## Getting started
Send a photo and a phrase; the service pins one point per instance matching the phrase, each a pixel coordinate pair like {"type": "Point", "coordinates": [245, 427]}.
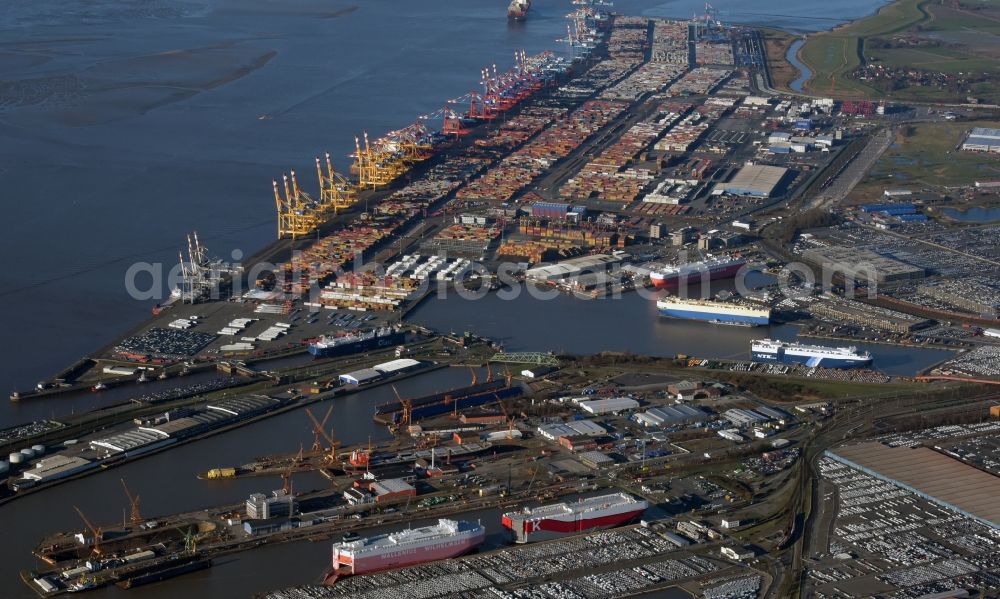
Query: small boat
{"type": "Point", "coordinates": [98, 387]}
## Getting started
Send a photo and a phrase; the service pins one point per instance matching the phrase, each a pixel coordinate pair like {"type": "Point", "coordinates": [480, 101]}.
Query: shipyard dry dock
{"type": "Point", "coordinates": [607, 564]}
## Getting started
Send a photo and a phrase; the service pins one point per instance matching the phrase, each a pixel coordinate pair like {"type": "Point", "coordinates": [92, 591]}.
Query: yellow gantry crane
{"type": "Point", "coordinates": [336, 192]}
{"type": "Point", "coordinates": [298, 214]}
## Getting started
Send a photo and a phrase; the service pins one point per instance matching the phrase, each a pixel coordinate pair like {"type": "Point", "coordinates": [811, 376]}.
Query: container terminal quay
{"type": "Point", "coordinates": [655, 155]}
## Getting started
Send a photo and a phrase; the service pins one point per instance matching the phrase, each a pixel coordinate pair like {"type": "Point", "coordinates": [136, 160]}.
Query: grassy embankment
{"type": "Point", "coordinates": [834, 55]}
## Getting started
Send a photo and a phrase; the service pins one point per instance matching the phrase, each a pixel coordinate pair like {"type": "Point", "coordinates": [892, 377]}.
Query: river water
{"type": "Point", "coordinates": [792, 56]}
{"type": "Point", "coordinates": [124, 126]}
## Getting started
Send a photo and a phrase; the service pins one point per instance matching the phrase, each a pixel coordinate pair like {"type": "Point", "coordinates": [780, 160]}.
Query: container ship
{"type": "Point", "coordinates": [561, 519]}
{"type": "Point", "coordinates": [768, 350]}
{"type": "Point", "coordinates": [517, 10]}
{"type": "Point", "coordinates": [674, 276]}
{"type": "Point", "coordinates": [714, 312]}
{"type": "Point", "coordinates": [338, 345]}
{"type": "Point", "coordinates": [446, 539]}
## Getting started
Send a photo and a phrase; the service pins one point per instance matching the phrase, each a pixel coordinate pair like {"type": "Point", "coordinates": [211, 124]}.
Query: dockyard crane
{"type": "Point", "coordinates": [332, 456]}
{"type": "Point", "coordinates": [93, 530]}
{"type": "Point", "coordinates": [318, 428]}
{"type": "Point", "coordinates": [133, 502]}
{"type": "Point", "coordinates": [406, 408]}
{"type": "Point", "coordinates": [510, 421]}
{"type": "Point", "coordinates": [286, 475]}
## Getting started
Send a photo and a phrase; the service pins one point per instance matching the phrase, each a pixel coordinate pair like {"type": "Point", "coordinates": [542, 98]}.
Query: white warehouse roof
{"type": "Point", "coordinates": [570, 429]}
{"type": "Point", "coordinates": [396, 365]}
{"type": "Point", "coordinates": [607, 406]}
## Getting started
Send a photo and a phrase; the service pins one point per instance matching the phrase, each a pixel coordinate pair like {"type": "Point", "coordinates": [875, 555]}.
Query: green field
{"type": "Point", "coordinates": [925, 154]}
{"type": "Point", "coordinates": [917, 34]}
{"type": "Point", "coordinates": [833, 55]}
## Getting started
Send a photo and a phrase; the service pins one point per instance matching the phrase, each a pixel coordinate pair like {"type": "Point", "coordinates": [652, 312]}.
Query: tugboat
{"type": "Point", "coordinates": [517, 10]}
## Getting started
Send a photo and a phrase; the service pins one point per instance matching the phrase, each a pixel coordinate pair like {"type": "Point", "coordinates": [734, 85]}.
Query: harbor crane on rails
{"type": "Point", "coordinates": [298, 214]}
{"type": "Point", "coordinates": [452, 123]}
{"type": "Point", "coordinates": [336, 192]}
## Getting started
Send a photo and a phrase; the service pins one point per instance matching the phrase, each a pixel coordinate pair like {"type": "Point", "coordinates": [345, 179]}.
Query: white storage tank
{"type": "Point", "coordinates": [38, 449]}
{"type": "Point", "coordinates": [28, 453]}
{"type": "Point", "coordinates": [4, 467]}
{"type": "Point", "coordinates": [15, 457]}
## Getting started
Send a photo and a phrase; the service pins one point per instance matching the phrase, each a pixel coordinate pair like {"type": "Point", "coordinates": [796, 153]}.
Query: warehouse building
{"type": "Point", "coordinates": [930, 474]}
{"type": "Point", "coordinates": [982, 139]}
{"type": "Point", "coordinates": [669, 416]}
{"type": "Point", "coordinates": [596, 460]}
{"type": "Point", "coordinates": [774, 414]}
{"type": "Point", "coordinates": [755, 180]}
{"type": "Point", "coordinates": [978, 297]}
{"type": "Point", "coordinates": [861, 265]}
{"type": "Point", "coordinates": [840, 310]}
{"type": "Point", "coordinates": [613, 405]}
{"type": "Point", "coordinates": [552, 432]}
{"type": "Point", "coordinates": [56, 467]}
{"type": "Point", "coordinates": [360, 377]}
{"type": "Point", "coordinates": [393, 489]}
{"type": "Point", "coordinates": [132, 442]}
{"type": "Point", "coordinates": [397, 366]}
{"type": "Point", "coordinates": [743, 417]}
{"type": "Point", "coordinates": [557, 211]}
{"type": "Point", "coordinates": [573, 267]}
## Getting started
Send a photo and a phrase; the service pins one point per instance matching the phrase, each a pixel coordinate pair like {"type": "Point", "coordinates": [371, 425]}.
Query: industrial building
{"type": "Point", "coordinates": [398, 366]}
{"type": "Point", "coordinates": [133, 442]}
{"type": "Point", "coordinates": [56, 467]}
{"type": "Point", "coordinates": [978, 297]}
{"type": "Point", "coordinates": [861, 265]}
{"type": "Point", "coordinates": [390, 490]}
{"type": "Point", "coordinates": [557, 211]}
{"type": "Point", "coordinates": [774, 414]}
{"type": "Point", "coordinates": [755, 180]}
{"type": "Point", "coordinates": [669, 416]}
{"type": "Point", "coordinates": [841, 310]}
{"type": "Point", "coordinates": [552, 432]}
{"type": "Point", "coordinates": [573, 267]}
{"type": "Point", "coordinates": [742, 417]}
{"type": "Point", "coordinates": [930, 474]}
{"type": "Point", "coordinates": [360, 377]}
{"type": "Point", "coordinates": [613, 405]}
{"type": "Point", "coordinates": [596, 460]}
{"type": "Point", "coordinates": [263, 507]}
{"type": "Point", "coordinates": [982, 139]}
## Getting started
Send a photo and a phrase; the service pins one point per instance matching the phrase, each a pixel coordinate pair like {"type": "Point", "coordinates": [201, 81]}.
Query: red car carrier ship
{"type": "Point", "coordinates": [447, 538]}
{"type": "Point", "coordinates": [562, 519]}
{"type": "Point", "coordinates": [692, 273]}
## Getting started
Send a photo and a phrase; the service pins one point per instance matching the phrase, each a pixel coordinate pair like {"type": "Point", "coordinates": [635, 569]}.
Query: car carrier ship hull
{"type": "Point", "coordinates": [809, 355]}
{"type": "Point", "coordinates": [714, 312]}
{"type": "Point", "coordinates": [324, 350]}
{"type": "Point", "coordinates": [694, 273]}
{"type": "Point", "coordinates": [444, 540]}
{"type": "Point", "coordinates": [563, 519]}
